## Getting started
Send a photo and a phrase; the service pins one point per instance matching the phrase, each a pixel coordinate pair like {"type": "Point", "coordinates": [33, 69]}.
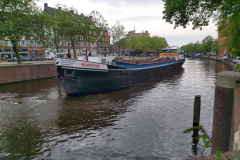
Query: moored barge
{"type": "Point", "coordinates": [102, 74]}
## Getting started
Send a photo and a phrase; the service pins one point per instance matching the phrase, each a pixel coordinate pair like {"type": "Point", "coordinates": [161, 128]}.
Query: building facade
{"type": "Point", "coordinates": [64, 46]}
{"type": "Point", "coordinates": [26, 48]}
{"type": "Point", "coordinates": [207, 38]}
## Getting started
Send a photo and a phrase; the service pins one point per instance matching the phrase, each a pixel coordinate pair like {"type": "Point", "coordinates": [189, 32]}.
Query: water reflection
{"type": "Point", "coordinates": [39, 121]}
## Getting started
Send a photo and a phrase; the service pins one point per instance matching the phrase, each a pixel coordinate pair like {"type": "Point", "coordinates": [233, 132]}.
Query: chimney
{"type": "Point", "coordinates": [59, 8]}
{"type": "Point", "coordinates": [45, 6]}
{"type": "Point", "coordinates": [146, 31]}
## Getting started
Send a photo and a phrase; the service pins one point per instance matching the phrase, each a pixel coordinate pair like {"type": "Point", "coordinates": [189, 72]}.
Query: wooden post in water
{"type": "Point", "coordinates": [196, 111]}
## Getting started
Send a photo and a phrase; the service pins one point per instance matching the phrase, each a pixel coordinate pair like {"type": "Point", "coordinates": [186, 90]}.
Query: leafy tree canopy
{"type": "Point", "coordinates": [198, 12]}
{"type": "Point", "coordinates": [22, 18]}
{"type": "Point", "coordinates": [71, 25]}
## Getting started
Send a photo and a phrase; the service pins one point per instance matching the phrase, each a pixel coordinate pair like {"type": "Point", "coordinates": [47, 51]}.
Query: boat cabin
{"type": "Point", "coordinates": [171, 52]}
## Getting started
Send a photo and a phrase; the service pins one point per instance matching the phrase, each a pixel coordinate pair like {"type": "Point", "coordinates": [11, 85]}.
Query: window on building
{"type": "Point", "coordinates": [65, 43]}
{"type": "Point", "coordinates": [59, 43]}
{"type": "Point", "coordinates": [24, 34]}
{"type": "Point", "coordinates": [5, 43]}
{"type": "Point", "coordinates": [31, 43]}
{"type": "Point", "coordinates": [86, 44]}
{"type": "Point", "coordinates": [77, 44]}
{"type": "Point", "coordinates": [83, 51]}
{"type": "Point", "coordinates": [23, 43]}
{"type": "Point", "coordinates": [81, 44]}
{"type": "Point", "coordinates": [94, 51]}
{"type": "Point", "coordinates": [81, 37]}
{"type": "Point", "coordinates": [39, 43]}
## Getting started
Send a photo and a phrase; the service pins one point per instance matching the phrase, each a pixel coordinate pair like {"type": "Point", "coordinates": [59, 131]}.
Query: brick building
{"type": "Point", "coordinates": [64, 45]}
{"type": "Point", "coordinates": [27, 48]}
{"type": "Point", "coordinates": [222, 50]}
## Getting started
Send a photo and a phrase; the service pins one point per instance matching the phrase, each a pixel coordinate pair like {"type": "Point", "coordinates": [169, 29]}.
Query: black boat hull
{"type": "Point", "coordinates": [77, 82]}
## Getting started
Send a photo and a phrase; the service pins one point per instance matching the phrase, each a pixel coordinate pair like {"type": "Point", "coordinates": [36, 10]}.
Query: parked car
{"type": "Point", "coordinates": [25, 58]}
{"type": "Point", "coordinates": [14, 59]}
{"type": "Point", "coordinates": [237, 59]}
{"type": "Point", "coordinates": [48, 58]}
{"type": "Point", "coordinates": [30, 58]}
{"type": "Point", "coordinates": [225, 56]}
{"type": "Point", "coordinates": [38, 58]}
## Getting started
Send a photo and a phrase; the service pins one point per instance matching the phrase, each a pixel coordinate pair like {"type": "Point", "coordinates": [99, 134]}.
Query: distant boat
{"type": "Point", "coordinates": [103, 74]}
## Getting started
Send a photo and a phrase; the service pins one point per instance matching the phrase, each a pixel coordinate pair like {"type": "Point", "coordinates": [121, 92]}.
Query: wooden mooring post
{"type": "Point", "coordinates": [196, 111]}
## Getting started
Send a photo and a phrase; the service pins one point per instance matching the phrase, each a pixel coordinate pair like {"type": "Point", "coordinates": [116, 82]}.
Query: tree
{"type": "Point", "coordinates": [215, 46]}
{"type": "Point", "coordinates": [22, 18]}
{"type": "Point", "coordinates": [71, 25]}
{"type": "Point", "coordinates": [157, 43]}
{"type": "Point", "coordinates": [118, 32]}
{"type": "Point", "coordinates": [228, 28]}
{"type": "Point", "coordinates": [181, 12]}
{"type": "Point", "coordinates": [208, 46]}
{"type": "Point", "coordinates": [199, 12]}
{"type": "Point", "coordinates": [100, 25]}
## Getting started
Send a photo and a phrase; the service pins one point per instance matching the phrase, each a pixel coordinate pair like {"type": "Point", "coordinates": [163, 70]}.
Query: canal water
{"type": "Point", "coordinates": [39, 121]}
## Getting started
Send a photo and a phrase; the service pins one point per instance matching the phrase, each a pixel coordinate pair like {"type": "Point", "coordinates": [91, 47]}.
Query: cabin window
{"type": "Point", "coordinates": [103, 61]}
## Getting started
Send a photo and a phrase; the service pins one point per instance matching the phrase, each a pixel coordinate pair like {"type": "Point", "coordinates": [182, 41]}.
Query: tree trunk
{"type": "Point", "coordinates": [119, 51]}
{"type": "Point", "coordinates": [16, 52]}
{"type": "Point", "coordinates": [101, 48]}
{"type": "Point", "coordinates": [74, 51]}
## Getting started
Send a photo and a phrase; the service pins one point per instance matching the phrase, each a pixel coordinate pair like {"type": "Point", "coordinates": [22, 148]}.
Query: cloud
{"type": "Point", "coordinates": [139, 18]}
{"type": "Point", "coordinates": [124, 3]}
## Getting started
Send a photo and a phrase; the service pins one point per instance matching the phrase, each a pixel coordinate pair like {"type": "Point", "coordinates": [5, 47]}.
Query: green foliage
{"type": "Point", "coordinates": [209, 46]}
{"type": "Point", "coordinates": [206, 140]}
{"type": "Point", "coordinates": [228, 27]}
{"type": "Point", "coordinates": [70, 25]}
{"type": "Point", "coordinates": [100, 24]}
{"type": "Point", "coordinates": [23, 18]}
{"type": "Point", "coordinates": [181, 12]}
{"type": "Point", "coordinates": [190, 130]}
{"type": "Point", "coordinates": [146, 43]}
{"type": "Point", "coordinates": [199, 13]}
{"type": "Point", "coordinates": [238, 67]}
{"type": "Point", "coordinates": [219, 154]}
{"type": "Point", "coordinates": [157, 43]}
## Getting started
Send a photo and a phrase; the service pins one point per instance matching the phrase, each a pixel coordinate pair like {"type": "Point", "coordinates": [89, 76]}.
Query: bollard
{"type": "Point", "coordinates": [196, 112]}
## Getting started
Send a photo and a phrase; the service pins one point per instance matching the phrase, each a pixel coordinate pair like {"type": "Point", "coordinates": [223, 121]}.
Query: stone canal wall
{"type": "Point", "coordinates": [16, 73]}
{"type": "Point", "coordinates": [232, 66]}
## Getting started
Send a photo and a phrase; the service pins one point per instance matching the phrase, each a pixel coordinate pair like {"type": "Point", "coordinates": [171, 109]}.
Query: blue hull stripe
{"type": "Point", "coordinates": [130, 66]}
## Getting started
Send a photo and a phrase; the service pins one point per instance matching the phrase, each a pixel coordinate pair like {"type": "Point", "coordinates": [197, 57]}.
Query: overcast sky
{"type": "Point", "coordinates": [145, 15]}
